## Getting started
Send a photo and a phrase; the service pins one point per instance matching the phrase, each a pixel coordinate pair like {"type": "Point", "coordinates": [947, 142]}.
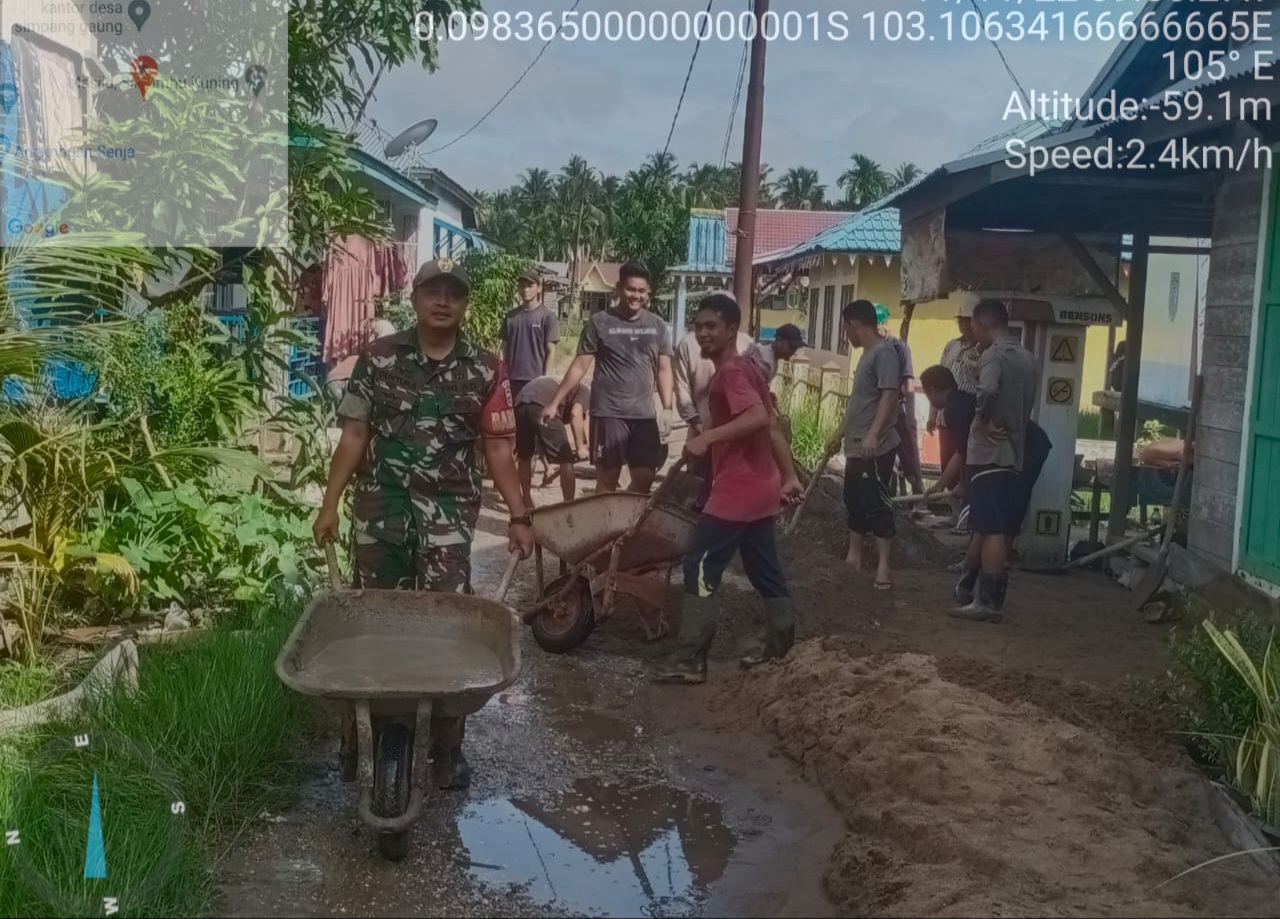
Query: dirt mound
{"type": "Point", "coordinates": [825, 524]}
{"type": "Point", "coordinates": [962, 803]}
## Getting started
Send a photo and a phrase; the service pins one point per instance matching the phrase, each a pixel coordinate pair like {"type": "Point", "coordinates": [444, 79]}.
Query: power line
{"type": "Point", "coordinates": [1016, 82]}
{"type": "Point", "coordinates": [503, 98]}
{"type": "Point", "coordinates": [737, 98]}
{"type": "Point", "coordinates": [676, 117]}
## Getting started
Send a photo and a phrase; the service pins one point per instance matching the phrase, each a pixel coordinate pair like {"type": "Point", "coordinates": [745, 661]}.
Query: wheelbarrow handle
{"type": "Point", "coordinates": [331, 562]}
{"type": "Point", "coordinates": [507, 576]}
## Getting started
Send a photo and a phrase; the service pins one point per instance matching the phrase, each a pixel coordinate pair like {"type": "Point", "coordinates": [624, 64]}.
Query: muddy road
{"type": "Point", "coordinates": [594, 793]}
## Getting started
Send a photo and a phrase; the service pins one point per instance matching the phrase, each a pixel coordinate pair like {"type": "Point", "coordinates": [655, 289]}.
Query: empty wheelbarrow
{"type": "Point", "coordinates": [613, 543]}
{"type": "Point", "coordinates": [395, 659]}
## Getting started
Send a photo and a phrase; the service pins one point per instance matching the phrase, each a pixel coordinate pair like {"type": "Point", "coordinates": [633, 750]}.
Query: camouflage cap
{"type": "Point", "coordinates": [441, 267]}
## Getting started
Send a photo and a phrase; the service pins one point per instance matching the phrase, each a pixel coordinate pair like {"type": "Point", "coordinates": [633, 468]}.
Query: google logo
{"type": "Point", "coordinates": [17, 226]}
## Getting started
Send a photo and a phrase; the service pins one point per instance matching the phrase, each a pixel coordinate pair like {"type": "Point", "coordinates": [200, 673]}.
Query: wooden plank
{"type": "Point", "coordinates": [1240, 830]}
{"type": "Point", "coordinates": [1090, 265]}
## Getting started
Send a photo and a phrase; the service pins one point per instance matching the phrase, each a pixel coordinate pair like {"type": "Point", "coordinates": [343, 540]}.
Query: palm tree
{"type": "Point", "coordinates": [662, 166]}
{"type": "Point", "coordinates": [863, 182]}
{"type": "Point", "coordinates": [800, 189]}
{"type": "Point", "coordinates": [765, 197]}
{"type": "Point", "coordinates": [904, 175]}
{"type": "Point", "coordinates": [579, 211]}
{"type": "Point", "coordinates": [537, 202]}
{"type": "Point", "coordinates": [707, 186]}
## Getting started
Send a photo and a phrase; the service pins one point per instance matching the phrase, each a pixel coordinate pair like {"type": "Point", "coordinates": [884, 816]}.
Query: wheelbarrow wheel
{"type": "Point", "coordinates": [567, 623]}
{"type": "Point", "coordinates": [392, 780]}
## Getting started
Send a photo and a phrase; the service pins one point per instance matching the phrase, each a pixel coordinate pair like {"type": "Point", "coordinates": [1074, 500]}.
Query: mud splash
{"type": "Point", "coordinates": [603, 849]}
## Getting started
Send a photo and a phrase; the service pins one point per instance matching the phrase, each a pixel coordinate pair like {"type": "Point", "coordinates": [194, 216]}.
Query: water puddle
{"type": "Point", "coordinates": [603, 849]}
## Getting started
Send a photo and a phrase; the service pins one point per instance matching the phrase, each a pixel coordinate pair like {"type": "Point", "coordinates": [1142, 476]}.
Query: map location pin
{"type": "Point", "coordinates": [144, 70]}
{"type": "Point", "coordinates": [139, 12]}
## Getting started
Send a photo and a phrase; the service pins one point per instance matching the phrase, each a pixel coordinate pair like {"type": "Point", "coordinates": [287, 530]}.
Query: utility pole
{"type": "Point", "coordinates": [749, 191]}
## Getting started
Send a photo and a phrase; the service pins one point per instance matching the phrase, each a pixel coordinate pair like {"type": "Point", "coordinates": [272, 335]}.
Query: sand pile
{"type": "Point", "coordinates": [959, 803]}
{"type": "Point", "coordinates": [826, 524]}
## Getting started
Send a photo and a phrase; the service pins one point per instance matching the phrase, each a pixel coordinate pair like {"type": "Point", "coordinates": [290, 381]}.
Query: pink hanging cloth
{"type": "Point", "coordinates": [350, 285]}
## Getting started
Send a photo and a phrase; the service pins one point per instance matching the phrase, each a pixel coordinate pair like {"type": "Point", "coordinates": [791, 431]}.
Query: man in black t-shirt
{"type": "Point", "coordinates": [957, 409]}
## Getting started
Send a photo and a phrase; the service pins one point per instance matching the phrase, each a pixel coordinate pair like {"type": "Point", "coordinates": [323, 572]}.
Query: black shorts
{"type": "Point", "coordinates": [1037, 453]}
{"type": "Point", "coordinates": [994, 500]}
{"type": "Point", "coordinates": [713, 545]}
{"type": "Point", "coordinates": [618, 442]}
{"type": "Point", "coordinates": [550, 440]}
{"type": "Point", "coordinates": [866, 495]}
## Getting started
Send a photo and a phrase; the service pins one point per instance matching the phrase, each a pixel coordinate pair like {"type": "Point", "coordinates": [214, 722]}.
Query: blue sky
{"type": "Point", "coordinates": [613, 102]}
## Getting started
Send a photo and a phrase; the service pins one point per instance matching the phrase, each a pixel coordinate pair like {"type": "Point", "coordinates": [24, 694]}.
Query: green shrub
{"type": "Point", "coordinates": [1203, 695]}
{"type": "Point", "coordinates": [204, 546]}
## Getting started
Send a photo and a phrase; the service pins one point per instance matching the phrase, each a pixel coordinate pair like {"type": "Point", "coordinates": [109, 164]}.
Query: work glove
{"type": "Point", "coordinates": [665, 423]}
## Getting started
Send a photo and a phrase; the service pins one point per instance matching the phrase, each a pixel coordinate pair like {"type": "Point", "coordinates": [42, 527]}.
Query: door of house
{"type": "Point", "coordinates": [1260, 520]}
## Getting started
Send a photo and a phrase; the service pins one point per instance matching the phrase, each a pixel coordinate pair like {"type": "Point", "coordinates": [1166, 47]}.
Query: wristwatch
{"type": "Point", "coordinates": [522, 520]}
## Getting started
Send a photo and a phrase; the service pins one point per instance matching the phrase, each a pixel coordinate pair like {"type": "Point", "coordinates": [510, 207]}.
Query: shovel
{"type": "Point", "coordinates": [1153, 577]}
{"type": "Point", "coordinates": [818, 471]}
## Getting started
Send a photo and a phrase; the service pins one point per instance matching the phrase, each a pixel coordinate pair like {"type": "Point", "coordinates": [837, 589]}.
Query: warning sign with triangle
{"type": "Point", "coordinates": [1063, 350]}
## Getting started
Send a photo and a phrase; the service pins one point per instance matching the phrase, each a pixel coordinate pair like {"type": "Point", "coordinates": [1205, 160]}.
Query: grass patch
{"type": "Point", "coordinates": [1089, 425]}
{"type": "Point", "coordinates": [22, 684]}
{"type": "Point", "coordinates": [1202, 696]}
{"type": "Point", "coordinates": [211, 725]}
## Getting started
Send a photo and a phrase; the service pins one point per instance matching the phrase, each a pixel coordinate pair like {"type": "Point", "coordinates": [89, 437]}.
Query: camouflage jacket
{"type": "Point", "coordinates": [421, 474]}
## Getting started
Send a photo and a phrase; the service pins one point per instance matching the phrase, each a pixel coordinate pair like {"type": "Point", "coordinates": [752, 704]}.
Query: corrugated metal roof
{"type": "Point", "coordinates": [877, 231]}
{"type": "Point", "coordinates": [707, 250]}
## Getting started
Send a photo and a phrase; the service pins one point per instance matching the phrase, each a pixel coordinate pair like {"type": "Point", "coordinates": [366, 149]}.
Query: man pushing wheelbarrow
{"type": "Point", "coordinates": [418, 405]}
{"type": "Point", "coordinates": [751, 476]}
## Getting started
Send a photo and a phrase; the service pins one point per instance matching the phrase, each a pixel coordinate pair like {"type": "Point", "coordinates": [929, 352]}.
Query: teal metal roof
{"type": "Point", "coordinates": [707, 250]}
{"type": "Point", "coordinates": [877, 231]}
{"type": "Point", "coordinates": [381, 172]}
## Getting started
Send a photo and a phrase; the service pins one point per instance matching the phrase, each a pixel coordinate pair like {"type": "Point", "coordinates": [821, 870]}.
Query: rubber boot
{"type": "Point", "coordinates": [449, 767]}
{"type": "Point", "coordinates": [986, 607]}
{"type": "Point", "coordinates": [688, 663]}
{"type": "Point", "coordinates": [965, 586]}
{"type": "Point", "coordinates": [779, 633]}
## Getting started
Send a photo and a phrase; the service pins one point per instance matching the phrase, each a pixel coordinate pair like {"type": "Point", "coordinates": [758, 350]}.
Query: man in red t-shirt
{"type": "Point", "coordinates": [752, 476]}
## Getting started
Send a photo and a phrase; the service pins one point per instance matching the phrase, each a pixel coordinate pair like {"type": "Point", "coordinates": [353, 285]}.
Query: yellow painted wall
{"type": "Point", "coordinates": [772, 319]}
{"type": "Point", "coordinates": [932, 324]}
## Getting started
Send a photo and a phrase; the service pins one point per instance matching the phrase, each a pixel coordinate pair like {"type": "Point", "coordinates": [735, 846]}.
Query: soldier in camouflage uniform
{"type": "Point", "coordinates": [418, 405]}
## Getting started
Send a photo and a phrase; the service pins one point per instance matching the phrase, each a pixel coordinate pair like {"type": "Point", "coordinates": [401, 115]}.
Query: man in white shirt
{"type": "Point", "coordinates": [787, 340]}
{"type": "Point", "coordinates": [693, 374]}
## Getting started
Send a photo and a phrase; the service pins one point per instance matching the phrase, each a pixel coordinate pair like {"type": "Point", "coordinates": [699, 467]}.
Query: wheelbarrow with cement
{"type": "Point", "coordinates": [390, 661]}
{"type": "Point", "coordinates": [609, 544]}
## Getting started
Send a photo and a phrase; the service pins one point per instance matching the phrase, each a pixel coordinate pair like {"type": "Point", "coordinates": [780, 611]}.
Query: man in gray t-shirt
{"type": "Point", "coordinates": [870, 439]}
{"type": "Point", "coordinates": [631, 352]}
{"type": "Point", "coordinates": [1008, 383]}
{"type": "Point", "coordinates": [529, 334]}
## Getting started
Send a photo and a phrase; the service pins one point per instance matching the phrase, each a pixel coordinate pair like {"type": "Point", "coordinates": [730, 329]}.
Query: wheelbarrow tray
{"type": "Point", "coordinates": [391, 646]}
{"type": "Point", "coordinates": [576, 530]}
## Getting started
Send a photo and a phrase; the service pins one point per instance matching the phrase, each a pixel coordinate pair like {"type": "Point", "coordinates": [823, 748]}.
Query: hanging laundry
{"type": "Point", "coordinates": [350, 285]}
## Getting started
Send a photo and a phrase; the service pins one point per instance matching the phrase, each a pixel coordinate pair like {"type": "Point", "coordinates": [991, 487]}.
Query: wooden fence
{"type": "Point", "coordinates": [802, 388]}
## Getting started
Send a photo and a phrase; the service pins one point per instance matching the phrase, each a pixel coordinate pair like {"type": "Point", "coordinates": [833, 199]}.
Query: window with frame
{"type": "Point", "coordinates": [846, 297]}
{"type": "Point", "coordinates": [828, 307]}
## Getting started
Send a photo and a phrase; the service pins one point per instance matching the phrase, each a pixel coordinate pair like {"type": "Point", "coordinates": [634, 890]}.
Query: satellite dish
{"type": "Point", "coordinates": [410, 137]}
